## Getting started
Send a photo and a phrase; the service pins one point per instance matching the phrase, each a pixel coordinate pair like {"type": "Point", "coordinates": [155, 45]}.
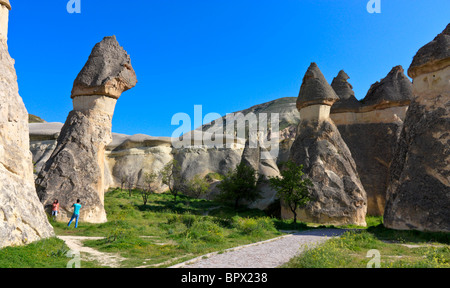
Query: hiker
{"type": "Point", "coordinates": [76, 213]}
{"type": "Point", "coordinates": [55, 209]}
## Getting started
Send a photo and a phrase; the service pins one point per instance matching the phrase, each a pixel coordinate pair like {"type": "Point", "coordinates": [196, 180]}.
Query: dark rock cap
{"type": "Point", "coordinates": [108, 71]}
{"type": "Point", "coordinates": [347, 101]}
{"type": "Point", "coordinates": [394, 90]}
{"type": "Point", "coordinates": [341, 86]}
{"type": "Point", "coordinates": [433, 56]}
{"type": "Point", "coordinates": [6, 3]}
{"type": "Point", "coordinates": [315, 89]}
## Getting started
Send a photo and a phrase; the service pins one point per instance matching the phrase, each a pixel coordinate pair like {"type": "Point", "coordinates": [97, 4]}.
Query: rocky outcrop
{"type": "Point", "coordinates": [261, 161]}
{"type": "Point", "coordinates": [371, 129]}
{"type": "Point", "coordinates": [338, 196]}
{"type": "Point", "coordinates": [347, 101]}
{"type": "Point", "coordinates": [129, 159]}
{"type": "Point", "coordinates": [418, 195]}
{"type": "Point", "coordinates": [76, 169]}
{"type": "Point", "coordinates": [22, 217]}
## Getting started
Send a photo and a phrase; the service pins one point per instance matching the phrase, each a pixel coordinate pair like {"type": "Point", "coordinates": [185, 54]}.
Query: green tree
{"type": "Point", "coordinates": [197, 186]}
{"type": "Point", "coordinates": [171, 176]}
{"type": "Point", "coordinates": [293, 188]}
{"type": "Point", "coordinates": [150, 186]}
{"type": "Point", "coordinates": [240, 184]}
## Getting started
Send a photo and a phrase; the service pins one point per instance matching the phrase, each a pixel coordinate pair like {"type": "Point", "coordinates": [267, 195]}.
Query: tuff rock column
{"type": "Point", "coordinates": [338, 196]}
{"type": "Point", "coordinates": [419, 187]}
{"type": "Point", "coordinates": [22, 217]}
{"type": "Point", "coordinates": [76, 168]}
{"type": "Point", "coordinates": [371, 129]}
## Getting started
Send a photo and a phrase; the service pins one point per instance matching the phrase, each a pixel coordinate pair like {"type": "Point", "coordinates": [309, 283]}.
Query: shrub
{"type": "Point", "coordinates": [240, 184]}
{"type": "Point", "coordinates": [253, 226]}
{"type": "Point", "coordinates": [206, 231]}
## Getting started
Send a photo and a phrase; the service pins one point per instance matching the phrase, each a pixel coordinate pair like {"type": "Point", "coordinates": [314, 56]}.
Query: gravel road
{"type": "Point", "coordinates": [267, 254]}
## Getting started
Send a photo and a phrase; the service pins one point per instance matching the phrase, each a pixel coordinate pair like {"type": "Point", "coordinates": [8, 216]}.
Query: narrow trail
{"type": "Point", "coordinates": [75, 243]}
{"type": "Point", "coordinates": [266, 254]}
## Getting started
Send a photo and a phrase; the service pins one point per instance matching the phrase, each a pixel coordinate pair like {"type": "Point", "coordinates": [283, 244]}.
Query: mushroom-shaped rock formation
{"type": "Point", "coordinates": [393, 90]}
{"type": "Point", "coordinates": [338, 196]}
{"type": "Point", "coordinates": [315, 89]}
{"type": "Point", "coordinates": [419, 183]}
{"type": "Point", "coordinates": [108, 71]}
{"type": "Point", "coordinates": [76, 168]}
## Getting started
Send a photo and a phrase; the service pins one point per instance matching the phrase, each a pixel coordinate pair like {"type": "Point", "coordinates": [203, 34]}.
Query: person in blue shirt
{"type": "Point", "coordinates": [76, 213]}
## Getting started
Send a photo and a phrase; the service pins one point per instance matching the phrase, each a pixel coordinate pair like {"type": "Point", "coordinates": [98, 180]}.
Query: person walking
{"type": "Point", "coordinates": [55, 209]}
{"type": "Point", "coordinates": [76, 213]}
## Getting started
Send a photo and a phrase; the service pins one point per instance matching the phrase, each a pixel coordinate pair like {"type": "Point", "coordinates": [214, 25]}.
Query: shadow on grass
{"type": "Point", "coordinates": [401, 236]}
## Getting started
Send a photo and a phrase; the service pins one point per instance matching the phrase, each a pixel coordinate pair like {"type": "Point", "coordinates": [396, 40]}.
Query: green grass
{"type": "Point", "coordinates": [430, 250]}
{"type": "Point", "coordinates": [163, 233]}
{"type": "Point", "coordinates": [48, 253]}
{"type": "Point", "coordinates": [163, 229]}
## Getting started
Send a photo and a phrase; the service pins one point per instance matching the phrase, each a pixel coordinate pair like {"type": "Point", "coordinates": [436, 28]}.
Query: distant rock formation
{"type": "Point", "coordinates": [371, 129]}
{"type": "Point", "coordinates": [129, 159]}
{"type": "Point", "coordinates": [76, 169]}
{"type": "Point", "coordinates": [338, 197]}
{"type": "Point", "coordinates": [418, 196]}
{"type": "Point", "coordinates": [22, 217]}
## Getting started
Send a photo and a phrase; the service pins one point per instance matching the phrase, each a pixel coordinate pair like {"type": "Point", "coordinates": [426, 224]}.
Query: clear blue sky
{"type": "Point", "coordinates": [226, 55]}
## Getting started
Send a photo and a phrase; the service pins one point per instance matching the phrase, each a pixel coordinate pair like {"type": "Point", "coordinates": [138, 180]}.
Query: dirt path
{"type": "Point", "coordinates": [75, 243]}
{"type": "Point", "coordinates": [266, 254]}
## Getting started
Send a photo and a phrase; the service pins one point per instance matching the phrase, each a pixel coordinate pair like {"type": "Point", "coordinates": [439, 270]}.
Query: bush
{"type": "Point", "coordinates": [253, 226]}
{"type": "Point", "coordinates": [206, 231]}
{"type": "Point", "coordinates": [240, 184]}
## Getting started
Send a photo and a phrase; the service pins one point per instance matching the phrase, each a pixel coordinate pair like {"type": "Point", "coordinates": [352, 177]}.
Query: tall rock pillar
{"type": "Point", "coordinates": [76, 168]}
{"type": "Point", "coordinates": [22, 217]}
{"type": "Point", "coordinates": [418, 195]}
{"type": "Point", "coordinates": [338, 197]}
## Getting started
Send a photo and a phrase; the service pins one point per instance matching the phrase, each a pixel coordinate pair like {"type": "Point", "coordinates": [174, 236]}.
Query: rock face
{"type": "Point", "coordinates": [371, 129]}
{"type": "Point", "coordinates": [419, 184]}
{"type": "Point", "coordinates": [76, 169]}
{"type": "Point", "coordinates": [4, 18]}
{"type": "Point", "coordinates": [129, 158]}
{"type": "Point", "coordinates": [338, 196]}
{"type": "Point", "coordinates": [22, 217]}
{"type": "Point", "coordinates": [261, 161]}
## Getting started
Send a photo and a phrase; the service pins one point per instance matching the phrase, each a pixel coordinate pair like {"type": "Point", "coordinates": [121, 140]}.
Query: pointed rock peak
{"type": "Point", "coordinates": [6, 3]}
{"type": "Point", "coordinates": [108, 71]}
{"type": "Point", "coordinates": [433, 56]}
{"type": "Point", "coordinates": [342, 75]}
{"type": "Point", "coordinates": [393, 90]}
{"type": "Point", "coordinates": [342, 87]}
{"type": "Point", "coordinates": [315, 89]}
{"type": "Point", "coordinates": [347, 101]}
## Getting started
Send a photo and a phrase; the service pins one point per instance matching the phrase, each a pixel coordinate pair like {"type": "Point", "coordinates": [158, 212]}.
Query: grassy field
{"type": "Point", "coordinates": [397, 249]}
{"type": "Point", "coordinates": [163, 233]}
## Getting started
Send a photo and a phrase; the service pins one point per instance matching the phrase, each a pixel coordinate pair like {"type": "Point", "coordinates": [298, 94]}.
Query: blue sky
{"type": "Point", "coordinates": [226, 55]}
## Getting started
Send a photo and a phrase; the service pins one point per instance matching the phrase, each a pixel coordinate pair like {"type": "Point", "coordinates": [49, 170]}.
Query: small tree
{"type": "Point", "coordinates": [240, 184]}
{"type": "Point", "coordinates": [197, 186]}
{"type": "Point", "coordinates": [150, 186]}
{"type": "Point", "coordinates": [129, 181]}
{"type": "Point", "coordinates": [293, 187]}
{"type": "Point", "coordinates": [171, 176]}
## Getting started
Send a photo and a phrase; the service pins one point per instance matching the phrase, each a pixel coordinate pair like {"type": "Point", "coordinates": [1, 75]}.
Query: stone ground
{"type": "Point", "coordinates": [266, 254]}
